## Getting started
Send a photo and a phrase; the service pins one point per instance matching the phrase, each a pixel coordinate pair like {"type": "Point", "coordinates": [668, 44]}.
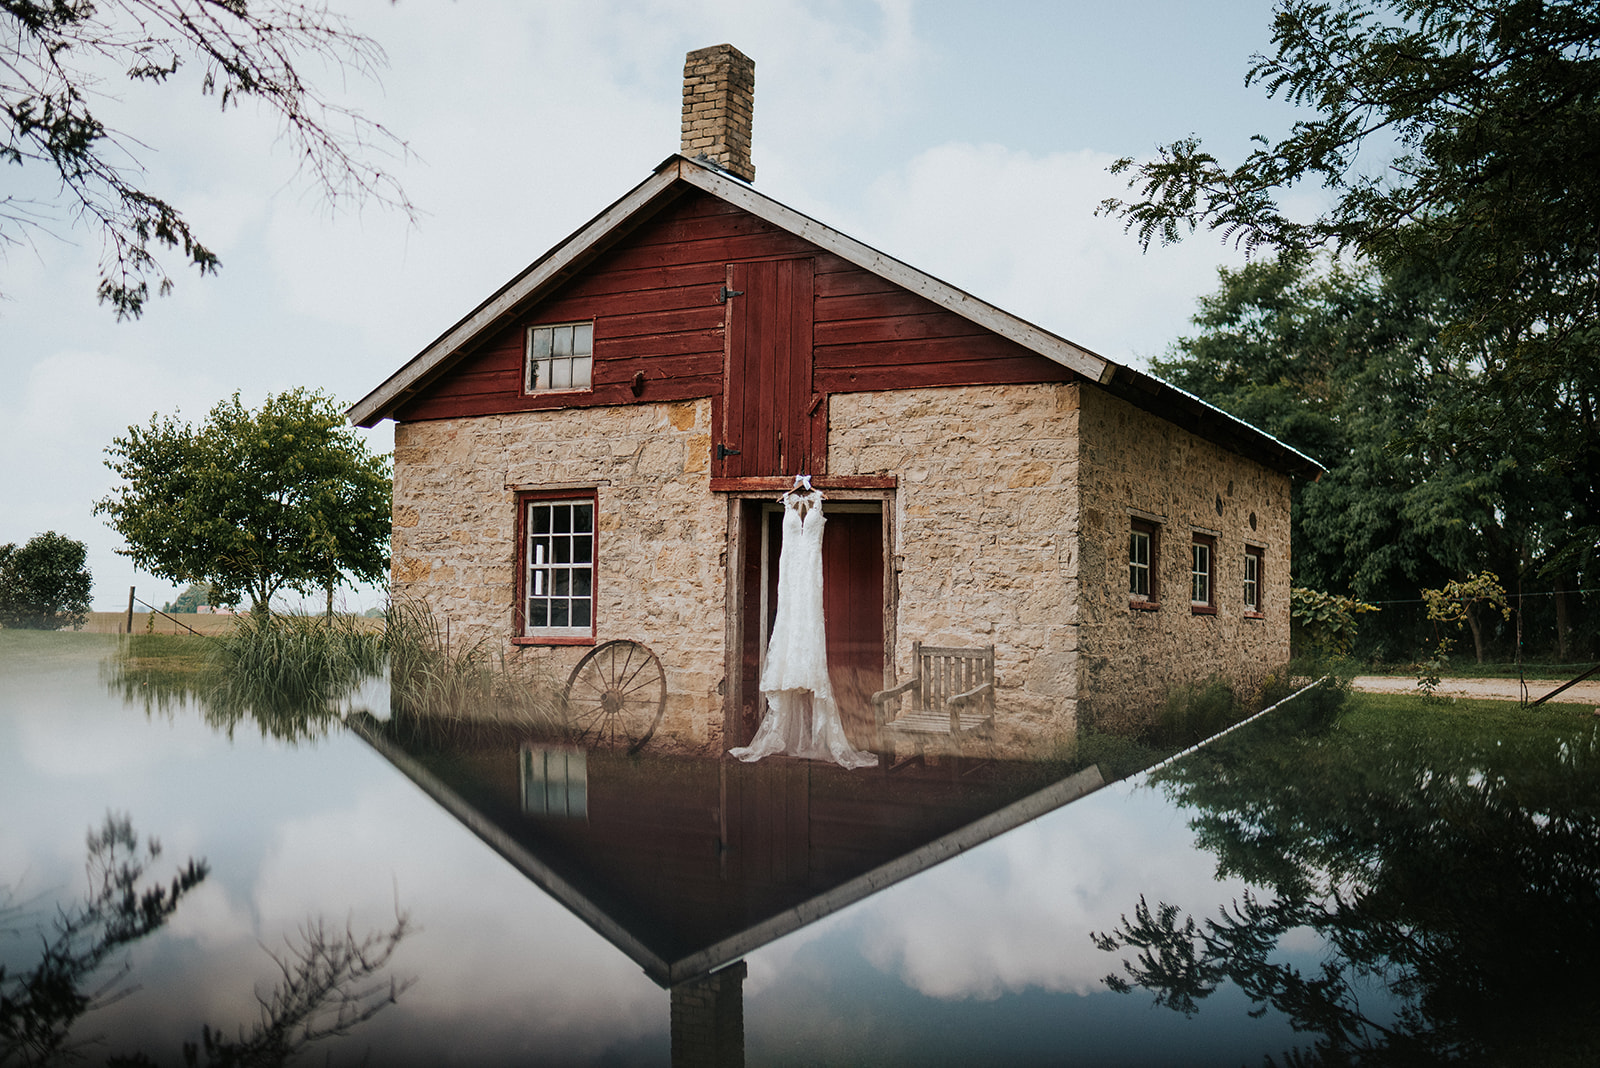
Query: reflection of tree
{"type": "Point", "coordinates": [329, 981]}
{"type": "Point", "coordinates": [39, 1007]}
{"type": "Point", "coordinates": [1461, 873]}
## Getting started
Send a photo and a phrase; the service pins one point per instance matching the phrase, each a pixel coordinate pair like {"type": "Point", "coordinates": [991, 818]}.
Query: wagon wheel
{"type": "Point", "coordinates": [616, 695]}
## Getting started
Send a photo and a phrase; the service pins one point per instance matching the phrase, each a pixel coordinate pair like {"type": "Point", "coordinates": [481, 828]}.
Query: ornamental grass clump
{"type": "Point", "coordinates": [290, 672]}
{"type": "Point", "coordinates": [432, 676]}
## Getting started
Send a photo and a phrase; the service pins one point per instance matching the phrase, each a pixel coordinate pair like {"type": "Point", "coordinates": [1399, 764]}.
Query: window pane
{"type": "Point", "coordinates": [561, 551]}
{"type": "Point", "coordinates": [580, 371]}
{"type": "Point", "coordinates": [539, 586]}
{"type": "Point", "coordinates": [581, 549]}
{"type": "Point", "coordinates": [539, 518]}
{"type": "Point", "coordinates": [580, 582]}
{"type": "Point", "coordinates": [561, 342]}
{"type": "Point", "coordinates": [541, 342]}
{"type": "Point", "coordinates": [580, 613]}
{"type": "Point", "coordinates": [539, 613]}
{"type": "Point", "coordinates": [583, 518]}
{"type": "Point", "coordinates": [561, 518]}
{"type": "Point", "coordinates": [583, 338]}
{"type": "Point", "coordinates": [558, 614]}
{"type": "Point", "coordinates": [560, 582]}
{"type": "Point", "coordinates": [560, 374]}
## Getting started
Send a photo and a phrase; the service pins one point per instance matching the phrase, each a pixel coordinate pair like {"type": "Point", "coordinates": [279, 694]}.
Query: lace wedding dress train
{"type": "Point", "coordinates": [797, 656]}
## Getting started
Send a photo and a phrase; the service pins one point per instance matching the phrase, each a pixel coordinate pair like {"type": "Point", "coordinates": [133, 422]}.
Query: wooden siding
{"type": "Point", "coordinates": [653, 300]}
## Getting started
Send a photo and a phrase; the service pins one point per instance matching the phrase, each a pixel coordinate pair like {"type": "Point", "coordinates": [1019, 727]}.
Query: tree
{"type": "Point", "coordinates": [59, 52]}
{"type": "Point", "coordinates": [44, 585]}
{"type": "Point", "coordinates": [1347, 364]}
{"type": "Point", "coordinates": [193, 596]}
{"type": "Point", "coordinates": [253, 502]}
{"type": "Point", "coordinates": [1486, 118]}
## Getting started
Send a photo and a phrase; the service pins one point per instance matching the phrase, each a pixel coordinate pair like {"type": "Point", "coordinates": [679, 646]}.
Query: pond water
{"type": "Point", "coordinates": [564, 907]}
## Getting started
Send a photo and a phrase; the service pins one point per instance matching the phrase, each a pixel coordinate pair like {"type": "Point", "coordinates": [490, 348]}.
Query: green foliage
{"type": "Point", "coordinates": [288, 673]}
{"type": "Point", "coordinates": [431, 676]}
{"type": "Point", "coordinates": [1463, 601]}
{"type": "Point", "coordinates": [1484, 119]}
{"type": "Point", "coordinates": [1195, 712]}
{"type": "Point", "coordinates": [45, 584]}
{"type": "Point", "coordinates": [1450, 854]}
{"type": "Point", "coordinates": [1324, 624]}
{"type": "Point", "coordinates": [60, 53]}
{"type": "Point", "coordinates": [193, 596]}
{"type": "Point", "coordinates": [252, 502]}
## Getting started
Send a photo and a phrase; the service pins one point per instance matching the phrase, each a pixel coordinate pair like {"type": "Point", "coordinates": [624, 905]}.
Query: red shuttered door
{"type": "Point", "coordinates": [769, 405]}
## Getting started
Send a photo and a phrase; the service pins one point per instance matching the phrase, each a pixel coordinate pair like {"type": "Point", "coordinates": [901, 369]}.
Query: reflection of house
{"type": "Point", "coordinates": [592, 453]}
{"type": "Point", "coordinates": [687, 864]}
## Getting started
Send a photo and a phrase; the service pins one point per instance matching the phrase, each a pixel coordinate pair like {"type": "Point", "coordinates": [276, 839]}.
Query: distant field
{"type": "Point", "coordinates": [115, 622]}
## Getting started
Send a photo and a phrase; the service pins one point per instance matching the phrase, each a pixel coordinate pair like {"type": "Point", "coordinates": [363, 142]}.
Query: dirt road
{"type": "Point", "coordinates": [1586, 692]}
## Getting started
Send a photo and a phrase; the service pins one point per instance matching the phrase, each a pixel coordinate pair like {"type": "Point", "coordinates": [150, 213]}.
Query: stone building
{"type": "Point", "coordinates": [594, 453]}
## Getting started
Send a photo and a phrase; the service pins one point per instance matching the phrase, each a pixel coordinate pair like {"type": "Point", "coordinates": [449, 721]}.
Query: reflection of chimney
{"type": "Point", "coordinates": [719, 99]}
{"type": "Point", "coordinates": [708, 1019]}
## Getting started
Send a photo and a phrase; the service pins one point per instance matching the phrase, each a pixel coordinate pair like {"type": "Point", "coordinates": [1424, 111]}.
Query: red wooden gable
{"type": "Point", "coordinates": [805, 323]}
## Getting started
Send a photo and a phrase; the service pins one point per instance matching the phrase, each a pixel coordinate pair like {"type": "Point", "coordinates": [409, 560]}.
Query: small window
{"type": "Point", "coordinates": [557, 579]}
{"type": "Point", "coordinates": [1202, 561]}
{"type": "Point", "coordinates": [1143, 570]}
{"type": "Point", "coordinates": [1252, 579]}
{"type": "Point", "coordinates": [559, 357]}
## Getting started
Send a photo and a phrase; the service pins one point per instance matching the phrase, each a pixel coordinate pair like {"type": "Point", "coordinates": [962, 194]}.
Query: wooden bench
{"type": "Point", "coordinates": [950, 693]}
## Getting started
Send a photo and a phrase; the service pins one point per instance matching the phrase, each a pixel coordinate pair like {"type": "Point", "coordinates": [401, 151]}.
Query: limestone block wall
{"type": "Point", "coordinates": [985, 522]}
{"type": "Point", "coordinates": [1131, 463]}
{"type": "Point", "coordinates": [660, 537]}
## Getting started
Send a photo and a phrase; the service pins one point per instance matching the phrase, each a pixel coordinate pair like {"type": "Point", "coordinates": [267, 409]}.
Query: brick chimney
{"type": "Point", "coordinates": [719, 96]}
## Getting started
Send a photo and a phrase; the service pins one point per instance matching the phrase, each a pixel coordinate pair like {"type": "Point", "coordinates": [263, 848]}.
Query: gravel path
{"type": "Point", "coordinates": [1586, 692]}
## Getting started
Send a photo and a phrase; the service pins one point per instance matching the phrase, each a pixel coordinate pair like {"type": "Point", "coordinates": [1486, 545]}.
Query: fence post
{"type": "Point", "coordinates": [130, 610]}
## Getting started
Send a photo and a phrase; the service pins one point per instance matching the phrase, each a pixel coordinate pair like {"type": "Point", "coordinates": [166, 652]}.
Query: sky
{"type": "Point", "coordinates": [971, 140]}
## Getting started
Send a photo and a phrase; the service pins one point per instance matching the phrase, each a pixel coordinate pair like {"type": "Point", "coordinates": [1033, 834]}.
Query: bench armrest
{"type": "Point", "coordinates": [888, 695]}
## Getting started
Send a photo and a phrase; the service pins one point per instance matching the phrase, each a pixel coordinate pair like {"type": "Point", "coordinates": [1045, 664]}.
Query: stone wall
{"type": "Point", "coordinates": [985, 523]}
{"type": "Point", "coordinates": [660, 540]}
{"type": "Point", "coordinates": [1135, 464]}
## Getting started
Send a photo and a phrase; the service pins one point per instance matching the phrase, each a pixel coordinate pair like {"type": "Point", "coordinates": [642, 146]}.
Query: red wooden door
{"type": "Point", "coordinates": [768, 405]}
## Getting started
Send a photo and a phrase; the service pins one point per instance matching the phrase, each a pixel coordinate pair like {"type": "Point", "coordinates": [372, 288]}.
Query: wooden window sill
{"type": "Point", "coordinates": [535, 640]}
{"type": "Point", "coordinates": [1144, 606]}
{"type": "Point", "coordinates": [1255, 615]}
{"type": "Point", "coordinates": [1203, 609]}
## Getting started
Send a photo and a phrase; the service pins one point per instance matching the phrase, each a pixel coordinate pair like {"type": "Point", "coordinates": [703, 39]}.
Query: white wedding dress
{"type": "Point", "coordinates": [797, 656]}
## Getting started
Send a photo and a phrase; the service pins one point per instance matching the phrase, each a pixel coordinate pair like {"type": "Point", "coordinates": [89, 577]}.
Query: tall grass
{"type": "Point", "coordinates": [431, 677]}
{"type": "Point", "coordinates": [293, 673]}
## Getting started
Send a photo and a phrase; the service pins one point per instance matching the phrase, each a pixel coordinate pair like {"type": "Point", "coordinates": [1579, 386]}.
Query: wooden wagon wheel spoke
{"type": "Point", "coordinates": [616, 695]}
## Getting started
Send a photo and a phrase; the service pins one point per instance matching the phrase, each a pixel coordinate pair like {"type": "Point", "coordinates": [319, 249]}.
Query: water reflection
{"type": "Point", "coordinates": [686, 864]}
{"type": "Point", "coordinates": [1453, 883]}
{"type": "Point", "coordinates": [328, 982]}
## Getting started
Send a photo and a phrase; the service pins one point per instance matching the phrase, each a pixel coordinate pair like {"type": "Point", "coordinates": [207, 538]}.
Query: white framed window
{"type": "Point", "coordinates": [1252, 579]}
{"type": "Point", "coordinates": [1143, 573]}
{"type": "Point", "coordinates": [1202, 560]}
{"type": "Point", "coordinates": [557, 567]}
{"type": "Point", "coordinates": [560, 356]}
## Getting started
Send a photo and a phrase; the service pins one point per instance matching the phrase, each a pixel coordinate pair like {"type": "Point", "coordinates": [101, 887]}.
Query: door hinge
{"type": "Point", "coordinates": [723, 451]}
{"type": "Point", "coordinates": [724, 293]}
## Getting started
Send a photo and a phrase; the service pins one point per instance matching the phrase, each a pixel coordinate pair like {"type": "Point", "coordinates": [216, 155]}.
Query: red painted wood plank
{"type": "Point", "coordinates": [719, 250]}
{"type": "Point", "coordinates": [670, 321]}
{"type": "Point", "coordinates": [683, 344]}
{"type": "Point", "coordinates": [913, 351]}
{"type": "Point", "coordinates": [780, 483]}
{"type": "Point", "coordinates": [850, 281]}
{"type": "Point", "coordinates": [605, 277]}
{"type": "Point", "coordinates": [866, 331]}
{"type": "Point", "coordinates": [970, 373]}
{"type": "Point", "coordinates": [675, 389]}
